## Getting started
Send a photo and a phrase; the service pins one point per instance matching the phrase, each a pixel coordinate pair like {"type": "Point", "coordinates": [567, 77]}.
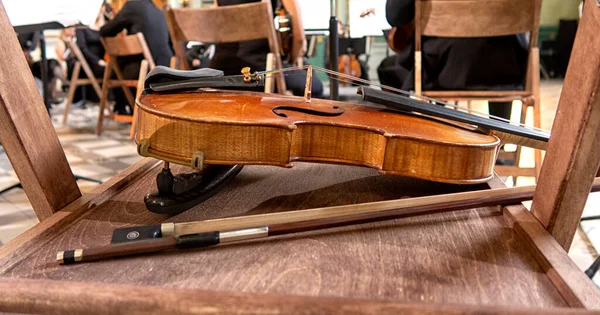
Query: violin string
{"type": "Point", "coordinates": [346, 78]}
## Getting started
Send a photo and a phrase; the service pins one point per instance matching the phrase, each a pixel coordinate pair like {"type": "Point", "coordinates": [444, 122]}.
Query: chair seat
{"type": "Point", "coordinates": [471, 257]}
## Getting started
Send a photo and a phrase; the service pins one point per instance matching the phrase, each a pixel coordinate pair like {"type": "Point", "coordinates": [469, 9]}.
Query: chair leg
{"type": "Point", "coordinates": [173, 62]}
{"type": "Point", "coordinates": [143, 71]}
{"type": "Point", "coordinates": [126, 89]}
{"type": "Point", "coordinates": [104, 96]}
{"type": "Point", "coordinates": [537, 111]}
{"type": "Point", "coordinates": [72, 89]}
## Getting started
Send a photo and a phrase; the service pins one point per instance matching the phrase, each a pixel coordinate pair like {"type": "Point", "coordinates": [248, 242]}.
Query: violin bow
{"type": "Point", "coordinates": [169, 236]}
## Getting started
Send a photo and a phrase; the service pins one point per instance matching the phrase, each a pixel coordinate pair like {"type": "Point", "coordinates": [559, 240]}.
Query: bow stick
{"type": "Point", "coordinates": [169, 236]}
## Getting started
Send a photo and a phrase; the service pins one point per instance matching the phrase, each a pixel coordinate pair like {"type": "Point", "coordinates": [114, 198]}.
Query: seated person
{"type": "Point", "coordinates": [28, 42]}
{"type": "Point", "coordinates": [456, 63]}
{"type": "Point", "coordinates": [232, 57]}
{"type": "Point", "coordinates": [91, 47]}
{"type": "Point", "coordinates": [199, 54]}
{"type": "Point", "coordinates": [139, 16]}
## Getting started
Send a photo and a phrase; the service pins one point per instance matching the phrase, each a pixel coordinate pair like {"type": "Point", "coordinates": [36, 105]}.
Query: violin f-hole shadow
{"type": "Point", "coordinates": [278, 111]}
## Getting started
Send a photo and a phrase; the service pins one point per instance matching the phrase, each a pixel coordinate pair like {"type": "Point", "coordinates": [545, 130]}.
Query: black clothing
{"type": "Point", "coordinates": [143, 16]}
{"type": "Point", "coordinates": [139, 16]}
{"type": "Point", "coordinates": [487, 63]}
{"type": "Point", "coordinates": [91, 47]}
{"type": "Point", "coordinates": [232, 57]}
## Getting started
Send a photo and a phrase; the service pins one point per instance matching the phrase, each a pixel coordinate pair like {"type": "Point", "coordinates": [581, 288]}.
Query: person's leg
{"type": "Point", "coordinates": [392, 73]}
{"type": "Point", "coordinates": [295, 81]}
{"type": "Point", "coordinates": [130, 71]}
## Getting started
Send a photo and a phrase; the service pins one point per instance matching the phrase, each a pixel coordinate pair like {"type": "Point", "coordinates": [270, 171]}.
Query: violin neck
{"type": "Point", "coordinates": [519, 140]}
{"type": "Point", "coordinates": [508, 133]}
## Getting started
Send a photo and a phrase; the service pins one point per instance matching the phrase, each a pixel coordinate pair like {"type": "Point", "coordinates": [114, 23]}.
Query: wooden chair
{"type": "Point", "coordinates": [76, 81]}
{"type": "Point", "coordinates": [485, 260]}
{"type": "Point", "coordinates": [485, 19]}
{"type": "Point", "coordinates": [213, 25]}
{"type": "Point", "coordinates": [117, 47]}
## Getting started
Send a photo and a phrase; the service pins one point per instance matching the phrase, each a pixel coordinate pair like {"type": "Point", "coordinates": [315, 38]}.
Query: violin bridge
{"type": "Point", "coordinates": [308, 87]}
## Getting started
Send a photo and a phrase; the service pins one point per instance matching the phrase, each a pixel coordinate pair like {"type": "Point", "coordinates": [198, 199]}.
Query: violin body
{"type": "Point", "coordinates": [236, 127]}
{"type": "Point", "coordinates": [348, 64]}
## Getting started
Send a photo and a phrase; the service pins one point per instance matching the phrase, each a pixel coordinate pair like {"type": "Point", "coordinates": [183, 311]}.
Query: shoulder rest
{"type": "Point", "coordinates": [162, 74]}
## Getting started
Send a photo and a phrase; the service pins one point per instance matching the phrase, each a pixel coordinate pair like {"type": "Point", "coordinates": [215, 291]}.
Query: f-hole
{"type": "Point", "coordinates": [279, 111]}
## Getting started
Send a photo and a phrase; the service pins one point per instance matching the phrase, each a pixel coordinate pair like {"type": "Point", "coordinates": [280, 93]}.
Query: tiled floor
{"type": "Point", "coordinates": [89, 156]}
{"type": "Point", "coordinates": [104, 156]}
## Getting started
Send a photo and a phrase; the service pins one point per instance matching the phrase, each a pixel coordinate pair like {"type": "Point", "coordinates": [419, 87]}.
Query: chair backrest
{"type": "Point", "coordinates": [128, 45]}
{"type": "Point", "coordinates": [224, 25]}
{"type": "Point", "coordinates": [27, 134]}
{"type": "Point", "coordinates": [477, 18]}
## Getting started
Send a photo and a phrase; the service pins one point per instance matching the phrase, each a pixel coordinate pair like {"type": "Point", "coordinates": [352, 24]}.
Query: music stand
{"type": "Point", "coordinates": [333, 52]}
{"type": "Point", "coordinates": [35, 28]}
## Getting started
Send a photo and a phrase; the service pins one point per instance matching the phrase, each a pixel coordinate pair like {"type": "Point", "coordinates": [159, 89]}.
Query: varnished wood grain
{"type": "Point", "coordinates": [241, 128]}
{"type": "Point", "coordinates": [27, 134]}
{"type": "Point", "coordinates": [467, 257]}
{"type": "Point", "coordinates": [573, 153]}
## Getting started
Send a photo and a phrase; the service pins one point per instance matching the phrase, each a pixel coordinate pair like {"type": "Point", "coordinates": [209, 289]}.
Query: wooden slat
{"type": "Point", "coordinates": [573, 153]}
{"type": "Point", "coordinates": [576, 288]}
{"type": "Point", "coordinates": [214, 25]}
{"type": "Point", "coordinates": [123, 45]}
{"type": "Point", "coordinates": [27, 134]}
{"type": "Point", "coordinates": [445, 18]}
{"type": "Point", "coordinates": [62, 297]}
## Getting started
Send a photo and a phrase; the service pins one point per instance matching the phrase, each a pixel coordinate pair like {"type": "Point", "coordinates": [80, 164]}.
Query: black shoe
{"type": "Point", "coordinates": [123, 110]}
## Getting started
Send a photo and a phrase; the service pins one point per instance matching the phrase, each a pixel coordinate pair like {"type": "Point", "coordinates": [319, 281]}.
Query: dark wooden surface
{"type": "Point", "coordinates": [466, 257]}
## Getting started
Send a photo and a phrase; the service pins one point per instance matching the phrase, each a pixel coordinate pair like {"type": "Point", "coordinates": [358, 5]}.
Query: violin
{"type": "Point", "coordinates": [348, 64]}
{"type": "Point", "coordinates": [198, 123]}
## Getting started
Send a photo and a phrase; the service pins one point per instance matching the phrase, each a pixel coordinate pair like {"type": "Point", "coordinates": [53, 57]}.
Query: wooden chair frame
{"type": "Point", "coordinates": [30, 282]}
{"type": "Point", "coordinates": [123, 46]}
{"type": "Point", "coordinates": [76, 81]}
{"type": "Point", "coordinates": [482, 19]}
{"type": "Point", "coordinates": [213, 25]}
